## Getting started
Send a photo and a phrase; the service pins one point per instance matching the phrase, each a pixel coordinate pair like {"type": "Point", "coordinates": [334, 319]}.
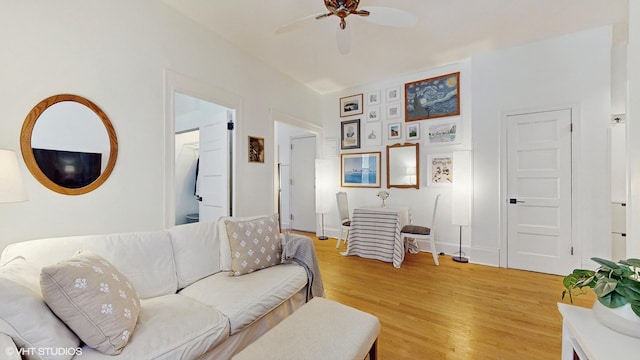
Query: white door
{"type": "Point", "coordinates": [302, 185]}
{"type": "Point", "coordinates": [539, 192]}
{"type": "Point", "coordinates": [213, 174]}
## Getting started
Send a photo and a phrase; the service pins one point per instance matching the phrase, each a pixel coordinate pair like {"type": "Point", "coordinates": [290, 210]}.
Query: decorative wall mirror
{"type": "Point", "coordinates": [403, 166]}
{"type": "Point", "coordinates": [68, 144]}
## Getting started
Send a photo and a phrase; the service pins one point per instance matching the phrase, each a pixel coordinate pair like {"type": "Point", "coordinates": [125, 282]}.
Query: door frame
{"type": "Point", "coordinates": [576, 166]}
{"type": "Point", "coordinates": [176, 82]}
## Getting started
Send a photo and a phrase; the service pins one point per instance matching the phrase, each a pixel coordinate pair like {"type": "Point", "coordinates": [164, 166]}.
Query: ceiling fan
{"type": "Point", "coordinates": [343, 8]}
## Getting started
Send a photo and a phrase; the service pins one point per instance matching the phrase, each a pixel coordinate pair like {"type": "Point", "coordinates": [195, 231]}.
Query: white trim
{"type": "Point", "coordinates": [576, 166]}
{"type": "Point", "coordinates": [178, 83]}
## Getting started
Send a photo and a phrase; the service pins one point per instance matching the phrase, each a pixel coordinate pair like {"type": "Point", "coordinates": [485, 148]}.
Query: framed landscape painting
{"type": "Point", "coordinates": [432, 98]}
{"type": "Point", "coordinates": [351, 105]}
{"type": "Point", "coordinates": [360, 170]}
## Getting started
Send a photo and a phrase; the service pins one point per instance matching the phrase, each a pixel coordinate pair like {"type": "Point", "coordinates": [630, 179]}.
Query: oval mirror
{"type": "Point", "coordinates": [403, 166]}
{"type": "Point", "coordinates": [68, 144]}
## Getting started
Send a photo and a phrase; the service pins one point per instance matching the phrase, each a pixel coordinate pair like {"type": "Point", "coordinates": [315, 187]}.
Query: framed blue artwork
{"type": "Point", "coordinates": [432, 98]}
{"type": "Point", "coordinates": [360, 170]}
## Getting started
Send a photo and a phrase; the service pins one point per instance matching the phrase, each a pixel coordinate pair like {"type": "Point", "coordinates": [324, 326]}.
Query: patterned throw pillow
{"type": "Point", "coordinates": [254, 244]}
{"type": "Point", "coordinates": [94, 299]}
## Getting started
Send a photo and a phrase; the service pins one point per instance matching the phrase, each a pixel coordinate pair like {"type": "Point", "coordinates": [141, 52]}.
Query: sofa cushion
{"type": "Point", "coordinates": [146, 258]}
{"type": "Point", "coordinates": [255, 244]}
{"type": "Point", "coordinates": [94, 299]}
{"type": "Point", "coordinates": [225, 248]}
{"type": "Point", "coordinates": [247, 298]}
{"type": "Point", "coordinates": [25, 317]}
{"type": "Point", "coordinates": [172, 327]}
{"type": "Point", "coordinates": [196, 248]}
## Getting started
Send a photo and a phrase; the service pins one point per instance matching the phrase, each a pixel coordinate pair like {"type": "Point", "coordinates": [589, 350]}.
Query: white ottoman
{"type": "Point", "coordinates": [322, 329]}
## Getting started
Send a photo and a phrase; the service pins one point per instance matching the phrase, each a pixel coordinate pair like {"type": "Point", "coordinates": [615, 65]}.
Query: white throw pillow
{"type": "Point", "coordinates": [255, 244]}
{"type": "Point", "coordinates": [94, 299]}
{"type": "Point", "coordinates": [25, 317]}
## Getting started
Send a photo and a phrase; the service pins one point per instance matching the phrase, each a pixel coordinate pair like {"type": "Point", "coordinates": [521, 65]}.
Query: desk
{"type": "Point", "coordinates": [584, 334]}
{"type": "Point", "coordinates": [375, 233]}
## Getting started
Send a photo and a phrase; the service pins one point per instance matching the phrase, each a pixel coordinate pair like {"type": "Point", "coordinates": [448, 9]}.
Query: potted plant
{"type": "Point", "coordinates": [617, 287]}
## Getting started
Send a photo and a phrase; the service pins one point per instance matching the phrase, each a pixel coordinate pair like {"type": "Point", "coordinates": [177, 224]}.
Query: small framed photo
{"type": "Point", "coordinates": [440, 169]}
{"type": "Point", "coordinates": [373, 134]}
{"type": "Point", "coordinates": [350, 134]}
{"type": "Point", "coordinates": [360, 170]}
{"type": "Point", "coordinates": [256, 149]}
{"type": "Point", "coordinates": [393, 94]}
{"type": "Point", "coordinates": [395, 131]}
{"type": "Point", "coordinates": [373, 114]}
{"type": "Point", "coordinates": [373, 98]}
{"type": "Point", "coordinates": [413, 131]}
{"type": "Point", "coordinates": [445, 133]}
{"type": "Point", "coordinates": [393, 111]}
{"type": "Point", "coordinates": [432, 98]}
{"type": "Point", "coordinates": [351, 105]}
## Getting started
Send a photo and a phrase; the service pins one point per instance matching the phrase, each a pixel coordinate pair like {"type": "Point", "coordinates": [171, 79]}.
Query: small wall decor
{"type": "Point", "coordinates": [331, 147]}
{"type": "Point", "coordinates": [373, 134]}
{"type": "Point", "coordinates": [360, 170]}
{"type": "Point", "coordinates": [413, 131]}
{"type": "Point", "coordinates": [351, 105]}
{"type": "Point", "coordinates": [393, 111]}
{"type": "Point", "coordinates": [373, 114]}
{"type": "Point", "coordinates": [373, 98]}
{"type": "Point", "coordinates": [350, 134]}
{"type": "Point", "coordinates": [432, 98]}
{"type": "Point", "coordinates": [395, 131]}
{"type": "Point", "coordinates": [256, 149]}
{"type": "Point", "coordinates": [393, 94]}
{"type": "Point", "coordinates": [440, 169]}
{"type": "Point", "coordinates": [443, 133]}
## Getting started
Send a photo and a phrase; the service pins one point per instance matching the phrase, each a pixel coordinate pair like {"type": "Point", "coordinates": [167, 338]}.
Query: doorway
{"type": "Point", "coordinates": [539, 191]}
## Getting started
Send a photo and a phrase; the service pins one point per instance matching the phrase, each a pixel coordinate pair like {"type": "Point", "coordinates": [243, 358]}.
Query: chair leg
{"type": "Point", "coordinates": [339, 237]}
{"type": "Point", "coordinates": [433, 251]}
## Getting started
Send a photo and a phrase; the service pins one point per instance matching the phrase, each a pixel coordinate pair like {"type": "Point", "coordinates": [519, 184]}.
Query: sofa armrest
{"type": "Point", "coordinates": [8, 349]}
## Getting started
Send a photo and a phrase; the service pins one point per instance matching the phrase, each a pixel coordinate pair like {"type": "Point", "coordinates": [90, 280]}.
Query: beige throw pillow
{"type": "Point", "coordinates": [255, 244]}
{"type": "Point", "coordinates": [94, 299]}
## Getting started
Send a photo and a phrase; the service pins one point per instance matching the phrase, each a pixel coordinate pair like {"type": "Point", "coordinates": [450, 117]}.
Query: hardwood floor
{"type": "Point", "coordinates": [451, 311]}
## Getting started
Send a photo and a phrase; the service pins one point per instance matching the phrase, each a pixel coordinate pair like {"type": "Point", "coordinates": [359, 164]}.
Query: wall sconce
{"type": "Point", "coordinates": [11, 185]}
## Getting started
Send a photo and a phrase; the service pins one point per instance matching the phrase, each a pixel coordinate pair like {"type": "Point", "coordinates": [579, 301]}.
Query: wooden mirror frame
{"type": "Point", "coordinates": [30, 160]}
{"type": "Point", "coordinates": [404, 186]}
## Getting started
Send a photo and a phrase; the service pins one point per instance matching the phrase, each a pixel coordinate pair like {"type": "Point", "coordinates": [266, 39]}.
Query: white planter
{"type": "Point", "coordinates": [621, 319]}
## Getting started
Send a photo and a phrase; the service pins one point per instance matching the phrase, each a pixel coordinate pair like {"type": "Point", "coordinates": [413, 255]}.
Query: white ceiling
{"type": "Point", "coordinates": [447, 31]}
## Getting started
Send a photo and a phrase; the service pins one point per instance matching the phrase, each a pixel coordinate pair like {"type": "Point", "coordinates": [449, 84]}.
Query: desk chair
{"type": "Point", "coordinates": [422, 232]}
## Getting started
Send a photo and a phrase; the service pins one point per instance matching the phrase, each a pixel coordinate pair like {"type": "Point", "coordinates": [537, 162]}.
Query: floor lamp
{"type": "Point", "coordinates": [461, 196]}
{"type": "Point", "coordinates": [11, 185]}
{"type": "Point", "coordinates": [323, 170]}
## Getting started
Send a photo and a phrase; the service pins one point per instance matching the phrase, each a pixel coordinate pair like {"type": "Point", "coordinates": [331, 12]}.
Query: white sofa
{"type": "Point", "coordinates": [190, 307]}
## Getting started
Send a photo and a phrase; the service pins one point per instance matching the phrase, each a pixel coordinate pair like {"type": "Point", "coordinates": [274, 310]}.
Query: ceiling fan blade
{"type": "Point", "coordinates": [343, 40]}
{"type": "Point", "coordinates": [387, 16]}
{"type": "Point", "coordinates": [361, 12]}
{"type": "Point", "coordinates": [296, 24]}
{"type": "Point", "coordinates": [323, 16]}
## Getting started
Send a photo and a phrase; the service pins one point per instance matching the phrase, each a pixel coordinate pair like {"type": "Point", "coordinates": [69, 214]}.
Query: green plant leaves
{"type": "Point", "coordinates": [612, 300]}
{"type": "Point", "coordinates": [605, 286]}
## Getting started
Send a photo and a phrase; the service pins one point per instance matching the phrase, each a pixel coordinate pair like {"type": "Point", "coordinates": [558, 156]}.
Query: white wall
{"type": "Point", "coordinates": [420, 201]}
{"type": "Point", "coordinates": [633, 130]}
{"type": "Point", "coordinates": [572, 69]}
{"type": "Point", "coordinates": [115, 53]}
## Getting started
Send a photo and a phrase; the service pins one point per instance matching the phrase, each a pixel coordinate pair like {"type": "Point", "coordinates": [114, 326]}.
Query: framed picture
{"type": "Point", "coordinates": [393, 111]}
{"type": "Point", "coordinates": [432, 98]}
{"type": "Point", "coordinates": [350, 134]}
{"type": "Point", "coordinates": [413, 131]}
{"type": "Point", "coordinates": [331, 147]}
{"type": "Point", "coordinates": [256, 149]}
{"type": "Point", "coordinates": [393, 94]}
{"type": "Point", "coordinates": [443, 133]}
{"type": "Point", "coordinates": [373, 134]}
{"type": "Point", "coordinates": [373, 114]}
{"type": "Point", "coordinates": [394, 131]}
{"type": "Point", "coordinates": [360, 170]}
{"type": "Point", "coordinates": [440, 169]}
{"type": "Point", "coordinates": [373, 98]}
{"type": "Point", "coordinates": [351, 105]}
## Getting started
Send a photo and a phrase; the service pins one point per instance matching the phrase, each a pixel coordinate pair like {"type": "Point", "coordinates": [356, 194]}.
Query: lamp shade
{"type": "Point", "coordinates": [461, 197]}
{"type": "Point", "coordinates": [324, 197]}
{"type": "Point", "coordinates": [11, 186]}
